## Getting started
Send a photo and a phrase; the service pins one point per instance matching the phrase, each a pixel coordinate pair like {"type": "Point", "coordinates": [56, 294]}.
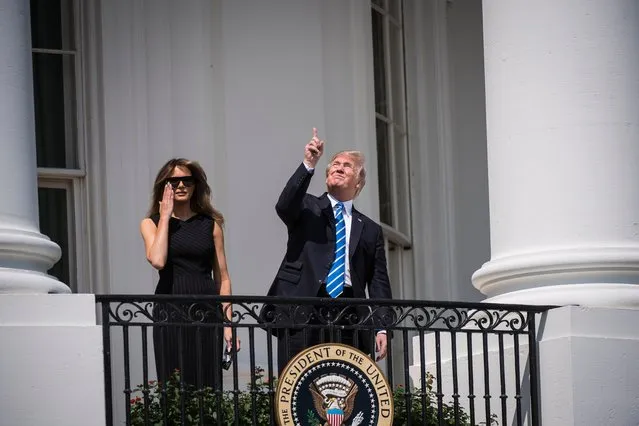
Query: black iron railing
{"type": "Point", "coordinates": [443, 357]}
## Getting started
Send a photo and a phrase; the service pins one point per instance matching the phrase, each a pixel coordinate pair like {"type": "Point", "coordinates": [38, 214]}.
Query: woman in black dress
{"type": "Point", "coordinates": [184, 241]}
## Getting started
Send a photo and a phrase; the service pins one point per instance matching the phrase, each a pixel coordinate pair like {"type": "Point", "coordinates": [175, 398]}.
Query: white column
{"type": "Point", "coordinates": [562, 105]}
{"type": "Point", "coordinates": [54, 362]}
{"type": "Point", "coordinates": [25, 254]}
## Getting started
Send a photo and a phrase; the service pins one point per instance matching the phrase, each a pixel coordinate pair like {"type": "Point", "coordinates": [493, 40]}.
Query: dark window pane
{"type": "Point", "coordinates": [52, 24]}
{"type": "Point", "coordinates": [379, 63]}
{"type": "Point", "coordinates": [54, 223]}
{"type": "Point", "coordinates": [384, 172]}
{"type": "Point", "coordinates": [55, 110]}
{"type": "Point", "coordinates": [397, 76]}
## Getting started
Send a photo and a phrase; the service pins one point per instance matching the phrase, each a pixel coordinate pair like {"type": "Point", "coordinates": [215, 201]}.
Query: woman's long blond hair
{"type": "Point", "coordinates": [201, 199]}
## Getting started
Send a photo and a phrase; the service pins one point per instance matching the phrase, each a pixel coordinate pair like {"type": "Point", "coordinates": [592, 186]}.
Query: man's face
{"type": "Point", "coordinates": [342, 177]}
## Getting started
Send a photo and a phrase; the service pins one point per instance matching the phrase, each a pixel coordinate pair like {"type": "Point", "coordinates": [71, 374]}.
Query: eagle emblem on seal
{"type": "Point", "coordinates": [334, 399]}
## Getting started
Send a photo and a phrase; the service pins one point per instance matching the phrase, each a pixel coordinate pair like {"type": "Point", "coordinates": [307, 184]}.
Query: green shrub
{"type": "Point", "coordinates": [428, 399]}
{"type": "Point", "coordinates": [224, 403]}
{"type": "Point", "coordinates": [199, 402]}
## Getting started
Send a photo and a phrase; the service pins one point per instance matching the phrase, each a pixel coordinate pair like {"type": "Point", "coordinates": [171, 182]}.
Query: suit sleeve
{"type": "Point", "coordinates": [379, 287]}
{"type": "Point", "coordinates": [289, 205]}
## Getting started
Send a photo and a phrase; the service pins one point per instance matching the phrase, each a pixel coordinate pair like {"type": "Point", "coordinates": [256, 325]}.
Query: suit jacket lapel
{"type": "Point", "coordinates": [327, 210]}
{"type": "Point", "coordinates": [357, 225]}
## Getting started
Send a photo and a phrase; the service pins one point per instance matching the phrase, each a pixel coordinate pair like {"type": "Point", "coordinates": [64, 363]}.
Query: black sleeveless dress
{"type": "Point", "coordinates": [195, 328]}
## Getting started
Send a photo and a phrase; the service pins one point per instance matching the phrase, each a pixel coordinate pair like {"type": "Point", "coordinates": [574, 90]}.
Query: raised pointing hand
{"type": "Point", "coordinates": [313, 150]}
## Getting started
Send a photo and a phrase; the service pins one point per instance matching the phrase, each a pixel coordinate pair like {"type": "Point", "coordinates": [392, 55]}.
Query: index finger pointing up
{"type": "Point", "coordinates": [314, 132]}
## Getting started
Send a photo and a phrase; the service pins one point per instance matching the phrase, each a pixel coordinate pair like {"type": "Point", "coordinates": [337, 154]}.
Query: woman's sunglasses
{"type": "Point", "coordinates": [188, 181]}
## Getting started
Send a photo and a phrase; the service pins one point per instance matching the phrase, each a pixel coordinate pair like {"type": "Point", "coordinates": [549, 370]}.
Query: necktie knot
{"type": "Point", "coordinates": [339, 207]}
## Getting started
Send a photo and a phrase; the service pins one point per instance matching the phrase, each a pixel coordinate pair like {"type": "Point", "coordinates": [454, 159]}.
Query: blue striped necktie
{"type": "Point", "coordinates": [335, 280]}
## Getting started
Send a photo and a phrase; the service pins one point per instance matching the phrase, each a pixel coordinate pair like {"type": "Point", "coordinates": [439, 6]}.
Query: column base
{"type": "Point", "coordinates": [22, 281]}
{"type": "Point", "coordinates": [599, 277]}
{"type": "Point", "coordinates": [25, 256]}
{"type": "Point", "coordinates": [602, 295]}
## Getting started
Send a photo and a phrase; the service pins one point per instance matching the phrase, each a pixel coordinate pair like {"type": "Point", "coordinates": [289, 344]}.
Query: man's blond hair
{"type": "Point", "coordinates": [359, 167]}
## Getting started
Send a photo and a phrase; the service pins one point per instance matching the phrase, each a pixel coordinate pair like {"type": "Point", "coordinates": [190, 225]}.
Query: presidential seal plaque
{"type": "Point", "coordinates": [333, 385]}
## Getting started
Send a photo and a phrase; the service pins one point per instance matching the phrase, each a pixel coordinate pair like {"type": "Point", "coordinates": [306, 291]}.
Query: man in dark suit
{"type": "Point", "coordinates": [333, 250]}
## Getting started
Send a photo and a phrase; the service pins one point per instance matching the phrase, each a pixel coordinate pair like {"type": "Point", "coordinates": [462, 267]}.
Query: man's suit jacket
{"type": "Point", "coordinates": [311, 245]}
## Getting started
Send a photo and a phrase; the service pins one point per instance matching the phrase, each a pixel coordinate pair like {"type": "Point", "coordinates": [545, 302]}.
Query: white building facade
{"type": "Point", "coordinates": [502, 153]}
